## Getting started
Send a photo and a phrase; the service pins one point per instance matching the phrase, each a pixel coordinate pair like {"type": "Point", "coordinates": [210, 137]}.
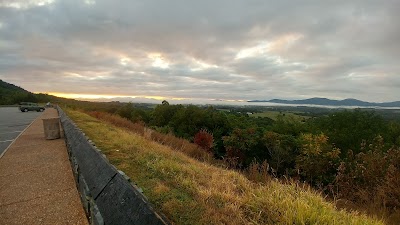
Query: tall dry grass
{"type": "Point", "coordinates": [179, 144]}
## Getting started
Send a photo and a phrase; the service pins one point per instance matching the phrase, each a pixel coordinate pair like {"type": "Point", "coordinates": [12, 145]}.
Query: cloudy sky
{"type": "Point", "coordinates": [208, 49]}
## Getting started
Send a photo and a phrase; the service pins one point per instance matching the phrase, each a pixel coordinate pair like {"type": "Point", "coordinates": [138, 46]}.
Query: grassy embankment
{"type": "Point", "coordinates": [188, 191]}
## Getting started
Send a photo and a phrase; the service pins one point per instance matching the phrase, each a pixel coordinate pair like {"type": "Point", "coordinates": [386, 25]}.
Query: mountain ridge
{"type": "Point", "coordinates": [331, 102]}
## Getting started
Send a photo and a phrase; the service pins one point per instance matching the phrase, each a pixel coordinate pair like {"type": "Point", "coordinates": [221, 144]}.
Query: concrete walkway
{"type": "Point", "coordinates": [36, 181]}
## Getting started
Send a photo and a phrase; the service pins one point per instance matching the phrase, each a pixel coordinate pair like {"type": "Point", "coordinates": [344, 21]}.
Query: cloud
{"type": "Point", "coordinates": [229, 49]}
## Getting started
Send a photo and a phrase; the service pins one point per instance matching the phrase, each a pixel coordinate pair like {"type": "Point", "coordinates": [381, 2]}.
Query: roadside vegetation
{"type": "Point", "coordinates": [351, 156]}
{"type": "Point", "coordinates": [191, 188]}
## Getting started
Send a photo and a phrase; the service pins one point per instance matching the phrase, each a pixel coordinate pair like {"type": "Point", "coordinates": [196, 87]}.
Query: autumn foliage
{"type": "Point", "coordinates": [204, 139]}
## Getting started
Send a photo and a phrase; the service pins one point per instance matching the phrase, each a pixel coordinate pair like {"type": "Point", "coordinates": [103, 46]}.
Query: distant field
{"type": "Point", "coordinates": [275, 114]}
{"type": "Point", "coordinates": [191, 192]}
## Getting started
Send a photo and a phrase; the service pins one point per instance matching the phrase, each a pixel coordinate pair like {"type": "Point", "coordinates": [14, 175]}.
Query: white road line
{"type": "Point", "coordinates": [18, 131]}
{"type": "Point", "coordinates": [6, 141]}
{"type": "Point", "coordinates": [26, 128]}
{"type": "Point", "coordinates": [13, 125]}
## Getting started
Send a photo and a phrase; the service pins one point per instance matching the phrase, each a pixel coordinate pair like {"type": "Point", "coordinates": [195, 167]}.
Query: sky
{"type": "Point", "coordinates": [188, 50]}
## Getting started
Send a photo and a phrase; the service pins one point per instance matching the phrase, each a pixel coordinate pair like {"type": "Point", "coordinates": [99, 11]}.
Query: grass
{"type": "Point", "coordinates": [275, 114]}
{"type": "Point", "coordinates": [188, 191]}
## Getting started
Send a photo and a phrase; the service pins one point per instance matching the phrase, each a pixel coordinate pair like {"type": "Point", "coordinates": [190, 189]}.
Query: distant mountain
{"type": "Point", "coordinates": [330, 102]}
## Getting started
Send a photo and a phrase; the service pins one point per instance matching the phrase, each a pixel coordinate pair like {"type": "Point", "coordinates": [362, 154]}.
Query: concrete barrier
{"type": "Point", "coordinates": [107, 196]}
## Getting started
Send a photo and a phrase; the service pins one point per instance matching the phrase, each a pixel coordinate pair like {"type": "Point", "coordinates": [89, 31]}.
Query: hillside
{"type": "Point", "coordinates": [7, 87]}
{"type": "Point", "coordinates": [11, 94]}
{"type": "Point", "coordinates": [330, 102]}
{"type": "Point", "coordinates": [188, 191]}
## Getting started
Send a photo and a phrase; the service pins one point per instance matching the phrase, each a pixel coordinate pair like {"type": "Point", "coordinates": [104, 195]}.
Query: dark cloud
{"type": "Point", "coordinates": [229, 49]}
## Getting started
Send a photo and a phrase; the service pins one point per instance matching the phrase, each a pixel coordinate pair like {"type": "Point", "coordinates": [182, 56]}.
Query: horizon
{"type": "Point", "coordinates": [158, 99]}
{"type": "Point", "coordinates": [202, 51]}
{"type": "Point", "coordinates": [240, 102]}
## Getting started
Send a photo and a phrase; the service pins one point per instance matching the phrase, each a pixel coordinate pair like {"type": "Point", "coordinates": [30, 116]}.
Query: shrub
{"type": "Point", "coordinates": [204, 139]}
{"type": "Point", "coordinates": [372, 178]}
{"type": "Point", "coordinates": [257, 172]}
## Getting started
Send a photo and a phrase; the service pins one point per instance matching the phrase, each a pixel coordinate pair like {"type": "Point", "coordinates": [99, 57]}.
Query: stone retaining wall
{"type": "Point", "coordinates": [108, 195]}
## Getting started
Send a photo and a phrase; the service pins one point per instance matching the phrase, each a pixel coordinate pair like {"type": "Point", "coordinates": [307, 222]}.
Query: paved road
{"type": "Point", "coordinates": [12, 123]}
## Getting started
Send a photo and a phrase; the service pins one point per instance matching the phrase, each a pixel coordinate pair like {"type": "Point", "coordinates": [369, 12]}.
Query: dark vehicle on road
{"type": "Point", "coordinates": [30, 106]}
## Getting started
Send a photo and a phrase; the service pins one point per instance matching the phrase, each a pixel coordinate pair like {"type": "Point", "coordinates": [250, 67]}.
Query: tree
{"type": "Point", "coordinates": [187, 121]}
{"type": "Point", "coordinates": [288, 125]}
{"type": "Point", "coordinates": [138, 115]}
{"type": "Point", "coordinates": [163, 114]}
{"type": "Point", "coordinates": [239, 144]}
{"type": "Point", "coordinates": [126, 111]}
{"type": "Point", "coordinates": [204, 139]}
{"type": "Point", "coordinates": [347, 129]}
{"type": "Point", "coordinates": [282, 150]}
{"type": "Point", "coordinates": [318, 159]}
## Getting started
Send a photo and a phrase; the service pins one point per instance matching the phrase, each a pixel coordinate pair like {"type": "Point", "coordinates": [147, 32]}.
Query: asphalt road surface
{"type": "Point", "coordinates": [12, 123]}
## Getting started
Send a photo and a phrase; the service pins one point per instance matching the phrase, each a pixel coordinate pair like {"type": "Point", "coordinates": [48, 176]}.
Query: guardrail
{"type": "Point", "coordinates": [107, 194]}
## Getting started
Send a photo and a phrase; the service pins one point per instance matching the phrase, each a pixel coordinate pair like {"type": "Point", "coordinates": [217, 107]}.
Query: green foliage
{"type": "Point", "coordinates": [126, 111]}
{"type": "Point", "coordinates": [288, 125]}
{"type": "Point", "coordinates": [132, 113]}
{"type": "Point", "coordinates": [318, 159]}
{"type": "Point", "coordinates": [393, 132]}
{"type": "Point", "coordinates": [282, 150]}
{"type": "Point", "coordinates": [244, 121]}
{"type": "Point", "coordinates": [11, 94]}
{"type": "Point", "coordinates": [240, 144]}
{"type": "Point", "coordinates": [188, 120]}
{"type": "Point", "coordinates": [275, 114]}
{"type": "Point", "coordinates": [348, 129]}
{"type": "Point", "coordinates": [138, 115]}
{"type": "Point", "coordinates": [163, 114]}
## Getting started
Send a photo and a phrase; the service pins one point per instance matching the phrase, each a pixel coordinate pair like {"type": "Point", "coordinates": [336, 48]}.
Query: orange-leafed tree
{"type": "Point", "coordinates": [204, 139]}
